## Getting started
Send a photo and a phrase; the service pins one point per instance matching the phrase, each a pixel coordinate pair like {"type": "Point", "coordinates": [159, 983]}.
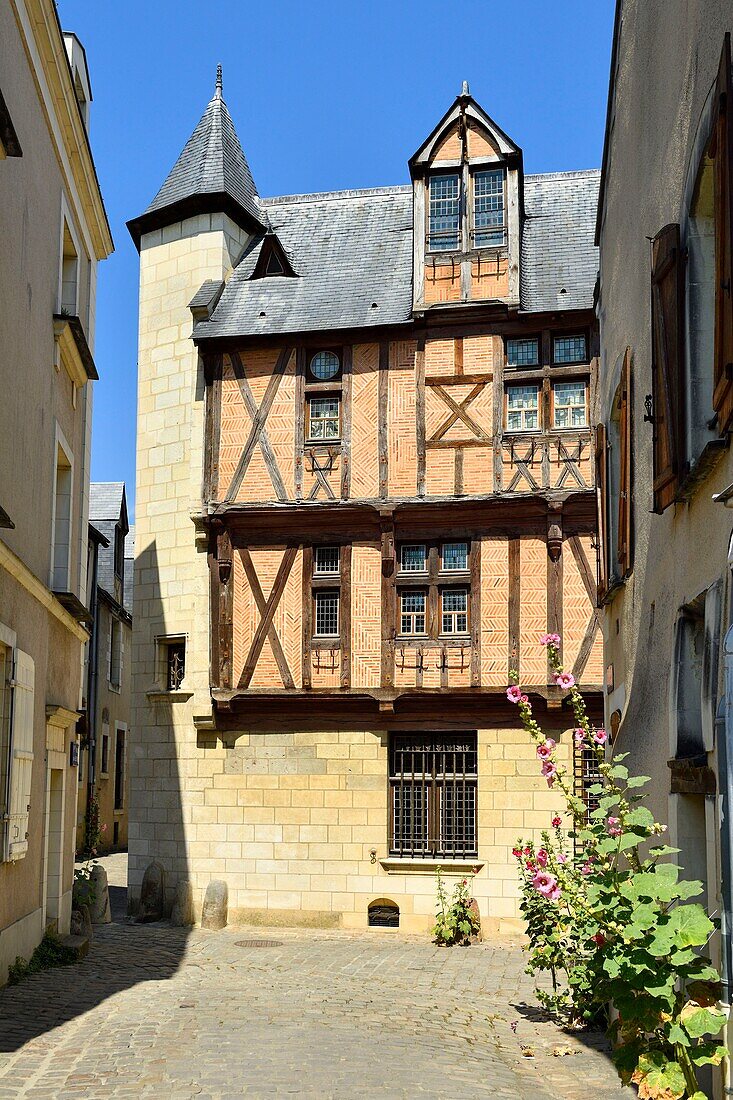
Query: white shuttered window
{"type": "Point", "coordinates": [20, 756]}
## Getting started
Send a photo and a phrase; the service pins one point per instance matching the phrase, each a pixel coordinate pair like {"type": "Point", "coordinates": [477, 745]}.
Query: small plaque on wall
{"type": "Point", "coordinates": [74, 754]}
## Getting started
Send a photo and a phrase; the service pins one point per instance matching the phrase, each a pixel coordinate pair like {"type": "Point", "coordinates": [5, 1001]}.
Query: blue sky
{"type": "Point", "coordinates": [324, 95]}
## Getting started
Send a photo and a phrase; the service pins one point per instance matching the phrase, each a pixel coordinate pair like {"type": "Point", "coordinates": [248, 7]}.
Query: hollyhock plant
{"type": "Point", "coordinates": [610, 918]}
{"type": "Point", "coordinates": [550, 639]}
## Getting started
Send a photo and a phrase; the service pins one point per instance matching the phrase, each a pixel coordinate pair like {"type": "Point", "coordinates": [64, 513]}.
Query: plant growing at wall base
{"type": "Point", "coordinates": [613, 923]}
{"type": "Point", "coordinates": [456, 919]}
{"type": "Point", "coordinates": [50, 952]}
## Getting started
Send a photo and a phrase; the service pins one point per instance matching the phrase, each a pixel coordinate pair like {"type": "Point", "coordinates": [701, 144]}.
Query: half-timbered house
{"type": "Point", "coordinates": [365, 490]}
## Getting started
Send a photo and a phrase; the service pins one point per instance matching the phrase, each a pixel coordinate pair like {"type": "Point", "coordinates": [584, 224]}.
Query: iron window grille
{"type": "Point", "coordinates": [412, 612]}
{"type": "Point", "coordinates": [569, 405]}
{"type": "Point", "coordinates": [445, 213]}
{"type": "Point", "coordinates": [488, 209]}
{"type": "Point", "coordinates": [585, 774]}
{"type": "Point", "coordinates": [325, 365]}
{"type": "Point", "coordinates": [454, 556]}
{"type": "Point", "coordinates": [523, 352]}
{"type": "Point", "coordinates": [454, 616]}
{"type": "Point", "coordinates": [175, 664]}
{"type": "Point", "coordinates": [327, 612]}
{"type": "Point", "coordinates": [569, 349]}
{"type": "Point", "coordinates": [413, 558]}
{"type": "Point", "coordinates": [522, 414]}
{"type": "Point", "coordinates": [326, 560]}
{"type": "Point", "coordinates": [324, 418]}
{"type": "Point", "coordinates": [433, 785]}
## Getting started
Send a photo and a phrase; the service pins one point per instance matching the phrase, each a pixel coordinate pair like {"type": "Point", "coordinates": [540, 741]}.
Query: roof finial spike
{"type": "Point", "coordinates": [464, 88]}
{"type": "Point", "coordinates": [219, 82]}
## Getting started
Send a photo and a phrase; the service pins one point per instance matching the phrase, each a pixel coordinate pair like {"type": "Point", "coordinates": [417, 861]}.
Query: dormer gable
{"type": "Point", "coordinates": [467, 193]}
{"type": "Point", "coordinates": [273, 260]}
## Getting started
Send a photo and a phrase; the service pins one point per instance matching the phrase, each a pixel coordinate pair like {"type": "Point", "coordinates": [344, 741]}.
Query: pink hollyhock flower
{"type": "Point", "coordinates": [600, 737]}
{"type": "Point", "coordinates": [549, 771]}
{"type": "Point", "coordinates": [531, 865]}
{"type": "Point", "coordinates": [546, 749]}
{"type": "Point", "coordinates": [550, 639]}
{"type": "Point", "coordinates": [546, 884]}
{"type": "Point", "coordinates": [542, 857]}
{"type": "Point", "coordinates": [556, 821]}
{"type": "Point", "coordinates": [561, 857]}
{"type": "Point", "coordinates": [516, 852]}
{"type": "Point", "coordinates": [524, 699]}
{"type": "Point", "coordinates": [527, 850]}
{"type": "Point", "coordinates": [613, 826]}
{"type": "Point", "coordinates": [599, 939]}
{"type": "Point", "coordinates": [514, 693]}
{"type": "Point", "coordinates": [587, 868]}
{"type": "Point", "coordinates": [564, 680]}
{"type": "Point", "coordinates": [579, 736]}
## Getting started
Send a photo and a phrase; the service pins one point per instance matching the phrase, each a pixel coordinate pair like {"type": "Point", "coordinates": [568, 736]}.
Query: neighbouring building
{"type": "Point", "coordinates": [54, 231]}
{"type": "Point", "coordinates": [102, 804]}
{"type": "Point", "coordinates": [665, 226]}
{"type": "Point", "coordinates": [365, 490]}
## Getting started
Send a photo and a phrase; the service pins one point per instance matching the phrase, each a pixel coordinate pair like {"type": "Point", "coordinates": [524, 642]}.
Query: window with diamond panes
{"type": "Point", "coordinates": [489, 228]}
{"type": "Point", "coordinates": [326, 560]}
{"type": "Point", "coordinates": [569, 349]}
{"type": "Point", "coordinates": [327, 613]}
{"type": "Point", "coordinates": [413, 558]}
{"type": "Point", "coordinates": [523, 352]}
{"type": "Point", "coordinates": [445, 213]}
{"type": "Point", "coordinates": [454, 616]}
{"type": "Point", "coordinates": [412, 612]}
{"type": "Point", "coordinates": [324, 418]}
{"type": "Point", "coordinates": [522, 408]}
{"type": "Point", "coordinates": [569, 406]}
{"type": "Point", "coordinates": [454, 557]}
{"type": "Point", "coordinates": [433, 781]}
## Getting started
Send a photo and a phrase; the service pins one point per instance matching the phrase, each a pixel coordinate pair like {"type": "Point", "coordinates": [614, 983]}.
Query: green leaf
{"type": "Point", "coordinates": [677, 1035]}
{"type": "Point", "coordinates": [619, 756]}
{"type": "Point", "coordinates": [640, 818]}
{"type": "Point", "coordinates": [663, 850]}
{"type": "Point", "coordinates": [690, 888]}
{"type": "Point", "coordinates": [660, 1076]}
{"type": "Point", "coordinates": [691, 925]}
{"type": "Point", "coordinates": [638, 780]}
{"type": "Point", "coordinates": [708, 1054]}
{"type": "Point", "coordinates": [628, 840]}
{"type": "Point", "coordinates": [619, 771]}
{"type": "Point", "coordinates": [699, 1021]}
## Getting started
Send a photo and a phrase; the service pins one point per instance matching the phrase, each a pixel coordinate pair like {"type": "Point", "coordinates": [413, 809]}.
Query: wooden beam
{"type": "Point", "coordinates": [346, 411]}
{"type": "Point", "coordinates": [459, 379]}
{"type": "Point", "coordinates": [420, 413]}
{"type": "Point", "coordinates": [389, 599]}
{"type": "Point", "coordinates": [214, 586]}
{"type": "Point", "coordinates": [514, 654]}
{"type": "Point", "coordinates": [225, 568]}
{"type": "Point", "coordinates": [586, 646]}
{"type": "Point", "coordinates": [299, 457]}
{"type": "Point", "coordinates": [272, 635]}
{"type": "Point", "coordinates": [345, 616]}
{"type": "Point", "coordinates": [258, 433]}
{"type": "Point", "coordinates": [212, 430]}
{"type": "Point", "coordinates": [307, 617]}
{"type": "Point", "coordinates": [263, 627]}
{"type": "Point", "coordinates": [584, 568]}
{"type": "Point", "coordinates": [382, 429]}
{"type": "Point", "coordinates": [474, 564]}
{"type": "Point", "coordinates": [458, 471]}
{"type": "Point", "coordinates": [458, 355]}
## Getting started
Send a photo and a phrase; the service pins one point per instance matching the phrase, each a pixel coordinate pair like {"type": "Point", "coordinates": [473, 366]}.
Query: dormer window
{"type": "Point", "coordinates": [489, 218]}
{"type": "Point", "coordinates": [445, 213]}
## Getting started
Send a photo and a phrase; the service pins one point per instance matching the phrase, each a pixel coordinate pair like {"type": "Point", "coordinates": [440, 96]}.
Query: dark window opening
{"type": "Point", "coordinates": [383, 914]}
{"type": "Point", "coordinates": [175, 665]}
{"type": "Point", "coordinates": [119, 770]}
{"type": "Point", "coordinates": [116, 833]}
{"type": "Point", "coordinates": [585, 774]}
{"type": "Point", "coordinates": [433, 783]}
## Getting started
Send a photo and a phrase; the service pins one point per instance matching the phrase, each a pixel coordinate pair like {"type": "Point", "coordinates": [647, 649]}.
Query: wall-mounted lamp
{"type": "Point", "coordinates": [648, 415]}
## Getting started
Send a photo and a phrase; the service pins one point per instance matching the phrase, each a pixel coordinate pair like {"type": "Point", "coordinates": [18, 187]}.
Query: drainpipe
{"type": "Point", "coordinates": [92, 684]}
{"type": "Point", "coordinates": [724, 744]}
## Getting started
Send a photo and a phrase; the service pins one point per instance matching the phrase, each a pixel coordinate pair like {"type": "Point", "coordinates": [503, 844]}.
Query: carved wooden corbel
{"type": "Point", "coordinates": [554, 531]}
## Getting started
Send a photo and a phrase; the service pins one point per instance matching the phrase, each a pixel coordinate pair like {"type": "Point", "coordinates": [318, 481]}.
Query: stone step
{"type": "Point", "coordinates": [78, 944]}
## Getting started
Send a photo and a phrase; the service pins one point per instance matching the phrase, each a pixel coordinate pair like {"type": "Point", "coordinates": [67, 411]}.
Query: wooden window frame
{"type": "Point", "coordinates": [445, 589]}
{"type": "Point", "coordinates": [601, 464]}
{"type": "Point", "coordinates": [434, 580]}
{"type": "Point", "coordinates": [523, 385]}
{"type": "Point", "coordinates": [624, 549]}
{"type": "Point", "coordinates": [721, 150]}
{"type": "Point", "coordinates": [310, 377]}
{"type": "Point", "coordinates": [473, 231]}
{"type": "Point", "coordinates": [319, 591]}
{"type": "Point", "coordinates": [448, 249]}
{"type": "Point", "coordinates": [415, 590]}
{"type": "Point", "coordinates": [323, 441]}
{"type": "Point", "coordinates": [553, 427]}
{"type": "Point", "coordinates": [335, 582]}
{"type": "Point", "coordinates": [537, 338]}
{"type": "Point", "coordinates": [669, 390]}
{"type": "Point", "coordinates": [432, 781]}
{"type": "Point", "coordinates": [323, 573]}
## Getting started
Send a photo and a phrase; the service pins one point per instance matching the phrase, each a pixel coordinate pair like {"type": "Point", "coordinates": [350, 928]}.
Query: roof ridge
{"type": "Point", "coordinates": [348, 193]}
{"type": "Point", "coordinates": [562, 175]}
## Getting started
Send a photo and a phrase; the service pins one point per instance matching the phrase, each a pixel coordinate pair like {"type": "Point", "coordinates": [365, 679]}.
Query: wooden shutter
{"type": "Point", "coordinates": [21, 755]}
{"type": "Point", "coordinates": [722, 149]}
{"type": "Point", "coordinates": [625, 483]}
{"type": "Point", "coordinates": [668, 391]}
{"type": "Point", "coordinates": [602, 500]}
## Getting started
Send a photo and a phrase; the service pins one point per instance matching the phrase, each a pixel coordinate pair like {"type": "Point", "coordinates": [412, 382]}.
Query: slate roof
{"type": "Point", "coordinates": [105, 500]}
{"type": "Point", "coordinates": [107, 509]}
{"type": "Point", "coordinates": [129, 569]}
{"type": "Point", "coordinates": [352, 252]}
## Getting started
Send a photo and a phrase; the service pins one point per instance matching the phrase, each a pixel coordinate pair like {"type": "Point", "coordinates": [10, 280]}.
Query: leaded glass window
{"type": "Point", "coordinates": [569, 405]}
{"type": "Point", "coordinates": [327, 612]}
{"type": "Point", "coordinates": [412, 612]}
{"type": "Point", "coordinates": [413, 558]}
{"type": "Point", "coordinates": [522, 408]}
{"type": "Point", "coordinates": [454, 619]}
{"type": "Point", "coordinates": [454, 556]}
{"type": "Point", "coordinates": [324, 418]}
{"type": "Point", "coordinates": [326, 560]}
{"type": "Point", "coordinates": [325, 365]}
{"type": "Point", "coordinates": [445, 212]}
{"type": "Point", "coordinates": [523, 352]}
{"type": "Point", "coordinates": [489, 228]}
{"type": "Point", "coordinates": [569, 349]}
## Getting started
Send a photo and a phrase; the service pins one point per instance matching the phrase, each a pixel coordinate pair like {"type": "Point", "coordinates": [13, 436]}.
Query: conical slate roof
{"type": "Point", "coordinates": [211, 174]}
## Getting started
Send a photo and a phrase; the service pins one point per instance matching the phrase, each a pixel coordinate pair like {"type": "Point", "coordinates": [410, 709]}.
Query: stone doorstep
{"type": "Point", "coordinates": [78, 944]}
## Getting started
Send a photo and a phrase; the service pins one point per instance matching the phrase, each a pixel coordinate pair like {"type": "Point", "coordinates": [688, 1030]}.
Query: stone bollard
{"type": "Point", "coordinates": [477, 937]}
{"type": "Point", "coordinates": [81, 923]}
{"type": "Point", "coordinates": [152, 894]}
{"type": "Point", "coordinates": [182, 912]}
{"type": "Point", "coordinates": [214, 913]}
{"type": "Point", "coordinates": [100, 911]}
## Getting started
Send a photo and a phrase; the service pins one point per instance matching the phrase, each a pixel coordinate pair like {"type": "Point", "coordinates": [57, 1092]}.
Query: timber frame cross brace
{"type": "Point", "coordinates": [321, 465]}
{"type": "Point", "coordinates": [267, 608]}
{"type": "Point", "coordinates": [458, 409]}
{"type": "Point", "coordinates": [258, 432]}
{"type": "Point", "coordinates": [594, 623]}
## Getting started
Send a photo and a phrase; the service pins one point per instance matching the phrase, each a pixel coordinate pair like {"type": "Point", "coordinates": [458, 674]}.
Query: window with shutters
{"type": "Point", "coordinates": [721, 148]}
{"type": "Point", "coordinates": [433, 786]}
{"type": "Point", "coordinates": [617, 547]}
{"type": "Point", "coordinates": [6, 676]}
{"type": "Point", "coordinates": [20, 755]}
{"type": "Point", "coordinates": [601, 463]}
{"type": "Point", "coordinates": [668, 389]}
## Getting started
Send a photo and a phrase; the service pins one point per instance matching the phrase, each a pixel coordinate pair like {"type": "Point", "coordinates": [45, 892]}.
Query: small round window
{"type": "Point", "coordinates": [325, 365]}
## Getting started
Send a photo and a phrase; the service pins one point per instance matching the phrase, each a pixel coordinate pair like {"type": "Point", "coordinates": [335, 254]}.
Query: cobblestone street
{"type": "Point", "coordinates": [153, 1011]}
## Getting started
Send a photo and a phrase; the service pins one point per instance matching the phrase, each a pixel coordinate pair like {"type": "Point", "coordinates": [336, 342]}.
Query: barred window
{"type": "Point", "coordinates": [489, 228]}
{"type": "Point", "coordinates": [445, 212]}
{"type": "Point", "coordinates": [326, 560]}
{"type": "Point", "coordinates": [569, 349]}
{"type": "Point", "coordinates": [324, 418]}
{"type": "Point", "coordinates": [412, 612]}
{"type": "Point", "coordinates": [569, 405]}
{"type": "Point", "coordinates": [175, 664]}
{"type": "Point", "coordinates": [433, 783]}
{"type": "Point", "coordinates": [454, 619]}
{"type": "Point", "coordinates": [585, 774]}
{"type": "Point", "coordinates": [524, 352]}
{"type": "Point", "coordinates": [413, 559]}
{"type": "Point", "coordinates": [327, 612]}
{"type": "Point", "coordinates": [454, 556]}
{"type": "Point", "coordinates": [522, 408]}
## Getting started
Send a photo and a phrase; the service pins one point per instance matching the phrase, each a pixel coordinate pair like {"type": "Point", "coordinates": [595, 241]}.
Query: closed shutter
{"type": "Point", "coordinates": [602, 500]}
{"type": "Point", "coordinates": [668, 391]}
{"type": "Point", "coordinates": [722, 150]}
{"type": "Point", "coordinates": [625, 474]}
{"type": "Point", "coordinates": [21, 755]}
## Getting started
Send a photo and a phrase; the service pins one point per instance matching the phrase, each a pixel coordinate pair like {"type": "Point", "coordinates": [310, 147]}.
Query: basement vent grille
{"type": "Point", "coordinates": [384, 916]}
{"type": "Point", "coordinates": [258, 943]}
